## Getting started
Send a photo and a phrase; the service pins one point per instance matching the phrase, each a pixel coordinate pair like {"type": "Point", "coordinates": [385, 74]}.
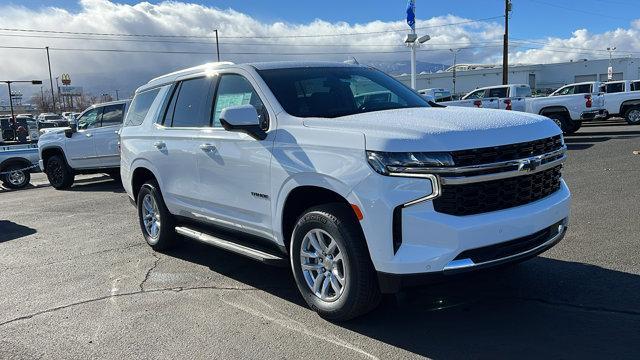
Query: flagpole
{"type": "Point", "coordinates": [413, 56]}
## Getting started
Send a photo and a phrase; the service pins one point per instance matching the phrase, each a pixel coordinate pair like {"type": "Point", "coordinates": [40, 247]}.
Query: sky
{"type": "Point", "coordinates": [541, 31]}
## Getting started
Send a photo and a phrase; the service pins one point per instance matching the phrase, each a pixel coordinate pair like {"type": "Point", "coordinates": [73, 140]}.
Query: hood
{"type": "Point", "coordinates": [53, 130]}
{"type": "Point", "coordinates": [441, 129]}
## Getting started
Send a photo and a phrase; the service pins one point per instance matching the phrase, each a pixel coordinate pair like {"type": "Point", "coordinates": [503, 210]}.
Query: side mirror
{"type": "Point", "coordinates": [243, 118]}
{"type": "Point", "coordinates": [72, 129]}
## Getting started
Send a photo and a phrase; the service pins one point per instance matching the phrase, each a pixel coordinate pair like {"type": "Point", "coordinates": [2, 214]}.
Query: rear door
{"type": "Point", "coordinates": [106, 137]}
{"type": "Point", "coordinates": [80, 147]}
{"type": "Point", "coordinates": [176, 144]}
{"type": "Point", "coordinates": [494, 97]}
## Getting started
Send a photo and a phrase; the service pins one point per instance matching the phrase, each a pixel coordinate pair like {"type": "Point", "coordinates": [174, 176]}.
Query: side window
{"type": "Point", "coordinates": [498, 92]}
{"type": "Point", "coordinates": [583, 89]}
{"type": "Point", "coordinates": [567, 90]}
{"type": "Point", "coordinates": [191, 104]}
{"type": "Point", "coordinates": [140, 107]}
{"type": "Point", "coordinates": [90, 119]}
{"type": "Point", "coordinates": [614, 88]}
{"type": "Point", "coordinates": [234, 90]}
{"type": "Point", "coordinates": [112, 115]}
{"type": "Point", "coordinates": [478, 94]}
{"type": "Point", "coordinates": [635, 86]}
{"type": "Point", "coordinates": [523, 92]}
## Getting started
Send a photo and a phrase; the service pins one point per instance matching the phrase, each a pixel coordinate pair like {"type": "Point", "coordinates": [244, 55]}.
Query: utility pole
{"type": "Point", "coordinates": [505, 49]}
{"type": "Point", "coordinates": [455, 62]}
{"type": "Point", "coordinates": [610, 69]}
{"type": "Point", "coordinates": [217, 46]}
{"type": "Point", "coordinates": [10, 99]}
{"type": "Point", "coordinates": [53, 98]}
{"type": "Point", "coordinates": [117, 95]}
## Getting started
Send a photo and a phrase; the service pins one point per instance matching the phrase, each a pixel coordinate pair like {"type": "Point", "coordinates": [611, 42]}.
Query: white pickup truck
{"type": "Point", "coordinates": [89, 146]}
{"type": "Point", "coordinates": [622, 99]}
{"type": "Point", "coordinates": [306, 164]}
{"type": "Point", "coordinates": [567, 106]}
{"type": "Point", "coordinates": [503, 97]}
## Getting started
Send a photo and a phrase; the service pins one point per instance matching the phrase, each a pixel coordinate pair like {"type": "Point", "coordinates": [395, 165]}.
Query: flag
{"type": "Point", "coordinates": [411, 14]}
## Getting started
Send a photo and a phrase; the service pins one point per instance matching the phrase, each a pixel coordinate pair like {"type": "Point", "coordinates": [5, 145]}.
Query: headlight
{"type": "Point", "coordinates": [386, 163]}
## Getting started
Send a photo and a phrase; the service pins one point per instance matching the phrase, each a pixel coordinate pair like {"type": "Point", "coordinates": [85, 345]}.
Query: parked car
{"type": "Point", "coordinates": [622, 99]}
{"type": "Point", "coordinates": [91, 146]}
{"type": "Point", "coordinates": [438, 95]}
{"type": "Point", "coordinates": [48, 120]}
{"type": "Point", "coordinates": [279, 162]}
{"type": "Point", "coordinates": [505, 97]}
{"type": "Point", "coordinates": [17, 162]}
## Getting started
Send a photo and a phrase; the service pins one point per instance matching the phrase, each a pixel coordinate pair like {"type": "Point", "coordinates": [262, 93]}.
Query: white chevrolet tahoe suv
{"type": "Point", "coordinates": [286, 162]}
{"type": "Point", "coordinates": [91, 145]}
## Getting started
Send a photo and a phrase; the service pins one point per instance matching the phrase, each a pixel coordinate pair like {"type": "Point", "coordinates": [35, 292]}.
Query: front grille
{"type": "Point", "coordinates": [482, 197]}
{"type": "Point", "coordinates": [506, 152]}
{"type": "Point", "coordinates": [510, 248]}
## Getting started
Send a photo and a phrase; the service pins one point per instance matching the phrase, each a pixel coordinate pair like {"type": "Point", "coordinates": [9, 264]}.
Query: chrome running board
{"type": "Point", "coordinates": [230, 246]}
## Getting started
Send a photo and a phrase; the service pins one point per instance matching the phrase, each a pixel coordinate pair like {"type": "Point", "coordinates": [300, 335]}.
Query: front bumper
{"type": "Point", "coordinates": [526, 249]}
{"type": "Point", "coordinates": [430, 240]}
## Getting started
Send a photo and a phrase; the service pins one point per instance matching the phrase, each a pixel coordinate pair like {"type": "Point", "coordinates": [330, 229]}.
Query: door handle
{"type": "Point", "coordinates": [207, 147]}
{"type": "Point", "coordinates": [160, 145]}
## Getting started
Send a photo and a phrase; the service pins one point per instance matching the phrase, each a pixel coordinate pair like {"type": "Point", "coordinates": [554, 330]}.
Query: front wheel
{"type": "Point", "coordinates": [60, 175]}
{"type": "Point", "coordinates": [331, 263]}
{"type": "Point", "coordinates": [16, 177]}
{"type": "Point", "coordinates": [633, 115]}
{"type": "Point", "coordinates": [156, 222]}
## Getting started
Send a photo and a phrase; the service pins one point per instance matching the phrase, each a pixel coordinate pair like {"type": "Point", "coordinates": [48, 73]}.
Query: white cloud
{"type": "Point", "coordinates": [102, 71]}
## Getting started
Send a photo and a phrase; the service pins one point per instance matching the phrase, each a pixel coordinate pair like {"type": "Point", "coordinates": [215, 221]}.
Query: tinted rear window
{"type": "Point", "coordinates": [192, 106]}
{"type": "Point", "coordinates": [140, 107]}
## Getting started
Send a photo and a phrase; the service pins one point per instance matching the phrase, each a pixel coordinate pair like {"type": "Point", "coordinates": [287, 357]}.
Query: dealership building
{"type": "Point", "coordinates": [541, 77]}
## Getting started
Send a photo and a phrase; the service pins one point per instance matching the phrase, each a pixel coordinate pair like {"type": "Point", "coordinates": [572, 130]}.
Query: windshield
{"type": "Point", "coordinates": [329, 92]}
{"type": "Point", "coordinates": [52, 117]}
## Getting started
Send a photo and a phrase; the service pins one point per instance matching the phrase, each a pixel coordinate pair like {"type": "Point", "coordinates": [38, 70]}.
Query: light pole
{"type": "Point", "coordinates": [455, 62]}
{"type": "Point", "coordinates": [413, 41]}
{"type": "Point", "coordinates": [9, 82]}
{"type": "Point", "coordinates": [610, 69]}
{"type": "Point", "coordinates": [53, 98]}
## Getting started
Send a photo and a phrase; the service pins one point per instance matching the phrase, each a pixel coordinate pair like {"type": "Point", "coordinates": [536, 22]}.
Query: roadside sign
{"type": "Point", "coordinates": [71, 90]}
{"type": "Point", "coordinates": [610, 73]}
{"type": "Point", "coordinates": [66, 79]}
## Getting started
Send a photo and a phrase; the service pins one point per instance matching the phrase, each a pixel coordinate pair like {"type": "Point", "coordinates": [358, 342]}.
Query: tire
{"type": "Point", "coordinates": [16, 179]}
{"type": "Point", "coordinates": [356, 290]}
{"type": "Point", "coordinates": [151, 207]}
{"type": "Point", "coordinates": [567, 125]}
{"type": "Point", "coordinates": [59, 174]}
{"type": "Point", "coordinates": [632, 115]}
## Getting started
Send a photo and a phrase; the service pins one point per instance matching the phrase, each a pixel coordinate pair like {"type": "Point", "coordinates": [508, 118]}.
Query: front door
{"type": "Point", "coordinates": [234, 167]}
{"type": "Point", "coordinates": [106, 137]}
{"type": "Point", "coordinates": [80, 148]}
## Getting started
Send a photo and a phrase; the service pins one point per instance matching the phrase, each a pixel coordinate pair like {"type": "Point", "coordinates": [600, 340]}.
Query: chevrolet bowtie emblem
{"type": "Point", "coordinates": [528, 165]}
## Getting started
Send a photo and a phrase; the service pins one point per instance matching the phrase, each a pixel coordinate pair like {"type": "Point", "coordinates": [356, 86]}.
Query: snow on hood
{"type": "Point", "coordinates": [441, 129]}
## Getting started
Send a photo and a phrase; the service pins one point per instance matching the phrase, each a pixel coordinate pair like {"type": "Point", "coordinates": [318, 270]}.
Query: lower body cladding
{"type": "Point", "coordinates": [434, 244]}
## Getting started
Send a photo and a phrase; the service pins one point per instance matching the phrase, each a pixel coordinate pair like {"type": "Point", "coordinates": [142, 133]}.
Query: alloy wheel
{"type": "Point", "coordinates": [323, 265]}
{"type": "Point", "coordinates": [151, 216]}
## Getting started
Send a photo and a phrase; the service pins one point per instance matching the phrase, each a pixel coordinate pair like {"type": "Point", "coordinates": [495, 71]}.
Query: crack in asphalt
{"type": "Point", "coordinates": [153, 267]}
{"type": "Point", "coordinates": [139, 292]}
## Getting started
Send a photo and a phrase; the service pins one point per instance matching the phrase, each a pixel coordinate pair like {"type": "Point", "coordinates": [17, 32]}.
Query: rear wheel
{"type": "Point", "coordinates": [331, 263]}
{"type": "Point", "coordinates": [156, 223]}
{"type": "Point", "coordinates": [16, 177]}
{"type": "Point", "coordinates": [60, 175]}
{"type": "Point", "coordinates": [632, 115]}
{"type": "Point", "coordinates": [567, 125]}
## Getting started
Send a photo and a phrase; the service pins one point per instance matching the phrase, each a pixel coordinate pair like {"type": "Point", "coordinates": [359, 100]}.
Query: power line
{"type": "Point", "coordinates": [232, 53]}
{"type": "Point", "coordinates": [232, 43]}
{"type": "Point", "coordinates": [245, 37]}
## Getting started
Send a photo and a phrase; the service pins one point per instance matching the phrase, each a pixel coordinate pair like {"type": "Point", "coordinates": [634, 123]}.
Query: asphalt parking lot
{"type": "Point", "coordinates": [78, 281]}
